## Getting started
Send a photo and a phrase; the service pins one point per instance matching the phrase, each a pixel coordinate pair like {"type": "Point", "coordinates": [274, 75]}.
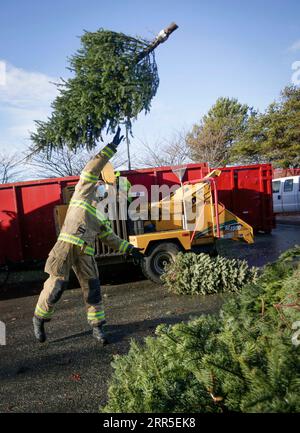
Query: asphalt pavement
{"type": "Point", "coordinates": [70, 372]}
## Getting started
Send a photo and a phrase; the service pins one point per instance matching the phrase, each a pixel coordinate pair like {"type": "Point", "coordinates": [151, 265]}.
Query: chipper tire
{"type": "Point", "coordinates": [155, 260]}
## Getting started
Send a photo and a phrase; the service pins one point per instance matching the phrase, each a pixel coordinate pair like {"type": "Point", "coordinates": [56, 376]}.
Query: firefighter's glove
{"type": "Point", "coordinates": [117, 139]}
{"type": "Point", "coordinates": [137, 255]}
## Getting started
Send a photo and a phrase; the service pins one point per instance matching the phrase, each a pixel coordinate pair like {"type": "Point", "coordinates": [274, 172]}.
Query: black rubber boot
{"type": "Point", "coordinates": [100, 335]}
{"type": "Point", "coordinates": [39, 329]}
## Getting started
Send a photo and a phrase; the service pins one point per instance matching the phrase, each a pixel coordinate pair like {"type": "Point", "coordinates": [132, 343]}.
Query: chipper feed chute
{"type": "Point", "coordinates": [215, 220]}
{"type": "Point", "coordinates": [202, 220]}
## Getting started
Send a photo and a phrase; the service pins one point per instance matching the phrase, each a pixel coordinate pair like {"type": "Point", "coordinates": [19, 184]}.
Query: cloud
{"type": "Point", "coordinates": [25, 96]}
{"type": "Point", "coordinates": [295, 46]}
{"type": "Point", "coordinates": [2, 73]}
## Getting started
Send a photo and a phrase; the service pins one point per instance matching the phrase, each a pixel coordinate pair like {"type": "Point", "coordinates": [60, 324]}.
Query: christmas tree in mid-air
{"type": "Point", "coordinates": [115, 78]}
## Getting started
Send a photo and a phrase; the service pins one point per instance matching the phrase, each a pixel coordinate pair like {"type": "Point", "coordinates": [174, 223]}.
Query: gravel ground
{"type": "Point", "coordinates": [70, 372]}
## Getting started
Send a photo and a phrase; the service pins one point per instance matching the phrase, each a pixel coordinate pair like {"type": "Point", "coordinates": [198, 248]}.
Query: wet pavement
{"type": "Point", "coordinates": [70, 372]}
{"type": "Point", "coordinates": [266, 247]}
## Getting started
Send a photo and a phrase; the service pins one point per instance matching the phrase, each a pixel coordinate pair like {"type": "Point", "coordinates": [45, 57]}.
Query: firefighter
{"type": "Point", "coordinates": [75, 249]}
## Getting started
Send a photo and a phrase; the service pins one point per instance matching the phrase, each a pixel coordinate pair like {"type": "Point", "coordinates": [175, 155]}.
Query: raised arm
{"type": "Point", "coordinates": [91, 172]}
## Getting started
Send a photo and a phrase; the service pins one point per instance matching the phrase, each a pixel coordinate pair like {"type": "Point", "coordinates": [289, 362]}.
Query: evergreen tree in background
{"type": "Point", "coordinates": [211, 140]}
{"type": "Point", "coordinates": [274, 136]}
{"type": "Point", "coordinates": [234, 133]}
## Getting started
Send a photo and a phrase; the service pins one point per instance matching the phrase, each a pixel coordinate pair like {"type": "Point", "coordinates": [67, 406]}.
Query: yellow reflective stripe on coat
{"type": "Point", "coordinates": [84, 205]}
{"type": "Point", "coordinates": [96, 315]}
{"type": "Point", "coordinates": [90, 251]}
{"type": "Point", "coordinates": [89, 177]}
{"type": "Point", "coordinates": [105, 234]}
{"type": "Point", "coordinates": [103, 152]}
{"type": "Point", "coordinates": [91, 209]}
{"type": "Point", "coordinates": [42, 313]}
{"type": "Point", "coordinates": [102, 218]}
{"type": "Point", "coordinates": [107, 151]}
{"type": "Point", "coordinates": [71, 239]}
{"type": "Point", "coordinates": [124, 246]}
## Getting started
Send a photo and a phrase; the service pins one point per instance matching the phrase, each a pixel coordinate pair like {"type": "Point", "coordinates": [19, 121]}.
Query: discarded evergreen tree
{"type": "Point", "coordinates": [201, 274]}
{"type": "Point", "coordinates": [115, 78]}
{"type": "Point", "coordinates": [247, 359]}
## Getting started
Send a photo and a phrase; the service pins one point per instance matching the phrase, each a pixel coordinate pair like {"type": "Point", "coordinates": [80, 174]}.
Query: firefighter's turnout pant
{"type": "Point", "coordinates": [62, 258]}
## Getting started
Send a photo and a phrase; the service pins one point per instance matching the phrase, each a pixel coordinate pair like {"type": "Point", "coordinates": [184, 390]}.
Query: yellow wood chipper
{"type": "Point", "coordinates": [189, 219]}
{"type": "Point", "coordinates": [196, 219]}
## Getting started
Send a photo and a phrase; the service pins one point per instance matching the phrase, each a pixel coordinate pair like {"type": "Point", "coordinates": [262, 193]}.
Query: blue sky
{"type": "Point", "coordinates": [230, 48]}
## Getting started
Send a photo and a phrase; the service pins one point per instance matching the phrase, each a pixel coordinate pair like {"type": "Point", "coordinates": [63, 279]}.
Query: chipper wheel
{"type": "Point", "coordinates": [156, 259]}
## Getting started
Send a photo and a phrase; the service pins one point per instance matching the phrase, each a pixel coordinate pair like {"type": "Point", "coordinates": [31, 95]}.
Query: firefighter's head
{"type": "Point", "coordinates": [100, 191]}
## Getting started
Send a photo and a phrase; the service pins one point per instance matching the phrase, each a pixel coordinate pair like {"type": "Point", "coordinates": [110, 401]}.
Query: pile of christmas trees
{"type": "Point", "coordinates": [200, 274]}
{"type": "Point", "coordinates": [247, 359]}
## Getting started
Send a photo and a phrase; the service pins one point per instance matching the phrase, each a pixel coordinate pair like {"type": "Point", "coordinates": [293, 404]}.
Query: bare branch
{"type": "Point", "coordinates": [172, 151]}
{"type": "Point", "coordinates": [208, 145]}
{"type": "Point", "coordinates": [10, 167]}
{"type": "Point", "coordinates": [64, 162]}
{"type": "Point", "coordinates": [120, 159]}
{"type": "Point", "coordinates": [60, 163]}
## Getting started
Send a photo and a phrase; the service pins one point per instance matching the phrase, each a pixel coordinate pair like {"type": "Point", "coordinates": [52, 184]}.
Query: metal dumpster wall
{"type": "Point", "coordinates": [247, 191]}
{"type": "Point", "coordinates": [27, 227]}
{"type": "Point", "coordinates": [165, 175]}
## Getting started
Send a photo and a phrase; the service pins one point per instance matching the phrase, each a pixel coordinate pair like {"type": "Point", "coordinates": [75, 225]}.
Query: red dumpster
{"type": "Point", "coordinates": [165, 175]}
{"type": "Point", "coordinates": [27, 227]}
{"type": "Point", "coordinates": [247, 192]}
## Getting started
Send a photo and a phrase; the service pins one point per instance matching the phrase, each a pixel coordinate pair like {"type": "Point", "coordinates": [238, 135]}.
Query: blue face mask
{"type": "Point", "coordinates": [100, 191]}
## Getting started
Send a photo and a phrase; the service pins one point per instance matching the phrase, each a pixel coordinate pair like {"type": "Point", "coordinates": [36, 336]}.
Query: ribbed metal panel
{"type": "Point", "coordinates": [119, 227]}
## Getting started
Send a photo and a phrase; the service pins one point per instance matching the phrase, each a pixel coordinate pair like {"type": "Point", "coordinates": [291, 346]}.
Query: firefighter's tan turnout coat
{"type": "Point", "coordinates": [75, 246]}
